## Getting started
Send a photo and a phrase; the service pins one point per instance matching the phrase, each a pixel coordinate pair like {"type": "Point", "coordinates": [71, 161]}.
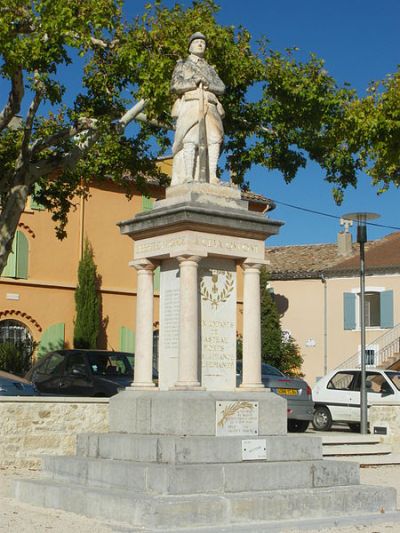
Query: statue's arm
{"type": "Point", "coordinates": [217, 86]}
{"type": "Point", "coordinates": [180, 84]}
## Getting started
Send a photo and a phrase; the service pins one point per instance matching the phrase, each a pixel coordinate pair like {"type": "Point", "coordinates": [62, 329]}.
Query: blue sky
{"type": "Point", "coordinates": [360, 42]}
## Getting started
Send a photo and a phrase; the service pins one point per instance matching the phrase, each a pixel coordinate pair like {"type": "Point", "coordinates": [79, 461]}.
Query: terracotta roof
{"type": "Point", "coordinates": [302, 261]}
{"type": "Point", "coordinates": [312, 260]}
{"type": "Point", "coordinates": [382, 255]}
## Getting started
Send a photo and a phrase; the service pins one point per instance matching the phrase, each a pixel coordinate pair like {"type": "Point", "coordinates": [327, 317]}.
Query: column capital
{"type": "Point", "coordinates": [254, 264]}
{"type": "Point", "coordinates": [188, 257]}
{"type": "Point", "coordinates": [143, 264]}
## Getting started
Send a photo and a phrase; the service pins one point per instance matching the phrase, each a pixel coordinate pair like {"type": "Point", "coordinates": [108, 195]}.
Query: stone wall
{"type": "Point", "coordinates": [31, 427]}
{"type": "Point", "coordinates": [386, 416]}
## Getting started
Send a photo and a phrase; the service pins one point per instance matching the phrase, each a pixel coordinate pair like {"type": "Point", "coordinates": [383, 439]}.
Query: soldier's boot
{"type": "Point", "coordinates": [189, 154]}
{"type": "Point", "coordinates": [213, 155]}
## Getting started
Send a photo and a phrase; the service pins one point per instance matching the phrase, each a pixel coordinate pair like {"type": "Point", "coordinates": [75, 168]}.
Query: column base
{"type": "Point", "coordinates": [252, 387]}
{"type": "Point", "coordinates": [142, 386]}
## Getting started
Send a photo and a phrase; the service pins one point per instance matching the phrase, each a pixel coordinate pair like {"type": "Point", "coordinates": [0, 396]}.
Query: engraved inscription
{"type": "Point", "coordinates": [236, 418]}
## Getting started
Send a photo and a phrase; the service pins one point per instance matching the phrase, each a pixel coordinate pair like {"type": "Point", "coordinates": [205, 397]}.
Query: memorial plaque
{"type": "Point", "coordinates": [254, 449]}
{"type": "Point", "coordinates": [235, 418]}
{"type": "Point", "coordinates": [217, 286]}
{"type": "Point", "coordinates": [169, 324]}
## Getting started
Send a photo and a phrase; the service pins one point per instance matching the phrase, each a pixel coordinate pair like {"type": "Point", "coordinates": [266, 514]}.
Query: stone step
{"type": "Point", "coordinates": [201, 510]}
{"type": "Point", "coordinates": [187, 450]}
{"type": "Point", "coordinates": [370, 460]}
{"type": "Point", "coordinates": [349, 438]}
{"type": "Point", "coordinates": [150, 478]}
{"type": "Point", "coordinates": [357, 449]}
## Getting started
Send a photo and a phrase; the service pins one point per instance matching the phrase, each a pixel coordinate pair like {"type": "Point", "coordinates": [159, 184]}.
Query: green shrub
{"type": "Point", "coordinates": [15, 358]}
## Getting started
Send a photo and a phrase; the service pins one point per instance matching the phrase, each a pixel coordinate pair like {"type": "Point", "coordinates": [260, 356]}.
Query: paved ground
{"type": "Point", "coordinates": [21, 518]}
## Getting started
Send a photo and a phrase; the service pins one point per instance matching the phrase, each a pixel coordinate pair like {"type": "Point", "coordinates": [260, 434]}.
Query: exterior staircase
{"type": "Point", "coordinates": [368, 450]}
{"type": "Point", "coordinates": [387, 355]}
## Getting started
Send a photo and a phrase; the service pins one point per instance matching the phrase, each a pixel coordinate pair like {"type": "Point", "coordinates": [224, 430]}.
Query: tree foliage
{"type": "Point", "coordinates": [87, 302]}
{"type": "Point", "coordinates": [79, 74]}
{"type": "Point", "coordinates": [277, 349]}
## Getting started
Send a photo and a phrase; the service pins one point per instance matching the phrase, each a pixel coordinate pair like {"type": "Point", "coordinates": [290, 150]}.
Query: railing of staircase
{"type": "Point", "coordinates": [387, 345]}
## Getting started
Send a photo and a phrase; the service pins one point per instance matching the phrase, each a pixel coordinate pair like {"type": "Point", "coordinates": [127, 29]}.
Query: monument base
{"type": "Point", "coordinates": [196, 459]}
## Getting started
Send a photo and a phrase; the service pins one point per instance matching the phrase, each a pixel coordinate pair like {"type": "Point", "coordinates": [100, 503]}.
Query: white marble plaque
{"type": "Point", "coordinates": [235, 418]}
{"type": "Point", "coordinates": [217, 287]}
{"type": "Point", "coordinates": [254, 449]}
{"type": "Point", "coordinates": [169, 324]}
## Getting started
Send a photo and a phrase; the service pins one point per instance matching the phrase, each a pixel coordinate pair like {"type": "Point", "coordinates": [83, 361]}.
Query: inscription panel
{"type": "Point", "coordinates": [254, 449]}
{"type": "Point", "coordinates": [191, 240]}
{"type": "Point", "coordinates": [169, 324]}
{"type": "Point", "coordinates": [217, 286]}
{"type": "Point", "coordinates": [236, 418]}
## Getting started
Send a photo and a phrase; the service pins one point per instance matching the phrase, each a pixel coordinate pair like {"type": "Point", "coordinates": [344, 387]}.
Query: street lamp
{"type": "Point", "coordinates": [361, 219]}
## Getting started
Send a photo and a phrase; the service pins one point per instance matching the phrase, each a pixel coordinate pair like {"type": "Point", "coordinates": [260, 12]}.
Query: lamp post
{"type": "Point", "coordinates": [361, 219]}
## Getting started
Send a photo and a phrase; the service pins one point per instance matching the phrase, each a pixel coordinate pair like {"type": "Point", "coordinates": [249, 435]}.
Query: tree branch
{"type": "Point", "coordinates": [13, 104]}
{"type": "Point", "coordinates": [131, 114]}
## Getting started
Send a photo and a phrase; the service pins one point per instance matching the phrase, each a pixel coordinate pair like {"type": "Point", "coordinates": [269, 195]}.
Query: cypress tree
{"type": "Point", "coordinates": [277, 350]}
{"type": "Point", "coordinates": [87, 302]}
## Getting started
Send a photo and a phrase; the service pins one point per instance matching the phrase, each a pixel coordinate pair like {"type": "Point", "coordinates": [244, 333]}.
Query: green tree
{"type": "Point", "coordinates": [66, 138]}
{"type": "Point", "coordinates": [277, 349]}
{"type": "Point", "coordinates": [87, 302]}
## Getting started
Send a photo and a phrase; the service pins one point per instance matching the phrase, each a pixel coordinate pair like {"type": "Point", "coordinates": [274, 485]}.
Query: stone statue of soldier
{"type": "Point", "coordinates": [199, 116]}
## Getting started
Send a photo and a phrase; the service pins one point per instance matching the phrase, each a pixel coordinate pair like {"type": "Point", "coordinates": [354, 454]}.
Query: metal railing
{"type": "Point", "coordinates": [387, 345]}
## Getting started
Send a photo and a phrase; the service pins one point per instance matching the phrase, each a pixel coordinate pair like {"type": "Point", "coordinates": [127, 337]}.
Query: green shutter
{"type": "Point", "coordinates": [17, 263]}
{"type": "Point", "coordinates": [21, 270]}
{"type": "Point", "coordinates": [157, 279]}
{"type": "Point", "coordinates": [386, 303]}
{"type": "Point", "coordinates": [349, 310]}
{"type": "Point", "coordinates": [126, 340]}
{"type": "Point", "coordinates": [9, 271]}
{"type": "Point", "coordinates": [147, 203]}
{"type": "Point", "coordinates": [51, 339]}
{"type": "Point", "coordinates": [34, 204]}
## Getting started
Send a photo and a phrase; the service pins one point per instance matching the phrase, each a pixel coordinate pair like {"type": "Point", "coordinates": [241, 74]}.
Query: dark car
{"type": "Point", "coordinates": [295, 390]}
{"type": "Point", "coordinates": [11, 385]}
{"type": "Point", "coordinates": [82, 373]}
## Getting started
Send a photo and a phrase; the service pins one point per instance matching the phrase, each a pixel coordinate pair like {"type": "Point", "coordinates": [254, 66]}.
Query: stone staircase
{"type": "Point", "coordinates": [367, 450]}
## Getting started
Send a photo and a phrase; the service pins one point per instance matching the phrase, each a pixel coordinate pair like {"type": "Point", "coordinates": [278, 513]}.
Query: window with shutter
{"type": "Point", "coordinates": [17, 263]}
{"type": "Point", "coordinates": [147, 203]}
{"type": "Point", "coordinates": [52, 339]}
{"type": "Point", "coordinates": [126, 340]}
{"type": "Point", "coordinates": [349, 310]}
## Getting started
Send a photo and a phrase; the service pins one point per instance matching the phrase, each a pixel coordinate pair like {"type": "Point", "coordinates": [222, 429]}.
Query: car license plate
{"type": "Point", "coordinates": [288, 392]}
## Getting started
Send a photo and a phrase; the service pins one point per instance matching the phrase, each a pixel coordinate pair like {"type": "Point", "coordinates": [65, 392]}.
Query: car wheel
{"type": "Point", "coordinates": [322, 420]}
{"type": "Point", "coordinates": [355, 427]}
{"type": "Point", "coordinates": [298, 426]}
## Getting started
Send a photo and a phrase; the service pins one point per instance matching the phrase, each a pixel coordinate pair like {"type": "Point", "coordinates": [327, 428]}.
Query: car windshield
{"type": "Point", "coordinates": [110, 364]}
{"type": "Point", "coordinates": [394, 378]}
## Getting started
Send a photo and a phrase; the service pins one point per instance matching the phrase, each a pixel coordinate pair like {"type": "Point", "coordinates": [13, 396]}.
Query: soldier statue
{"type": "Point", "coordinates": [199, 130]}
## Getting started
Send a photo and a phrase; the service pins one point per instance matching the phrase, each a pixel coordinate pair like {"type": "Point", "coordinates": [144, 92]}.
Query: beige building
{"type": "Point", "coordinates": [38, 284]}
{"type": "Point", "coordinates": [316, 288]}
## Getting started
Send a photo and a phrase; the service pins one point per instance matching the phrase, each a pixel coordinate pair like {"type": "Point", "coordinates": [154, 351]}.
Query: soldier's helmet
{"type": "Point", "coordinates": [197, 35]}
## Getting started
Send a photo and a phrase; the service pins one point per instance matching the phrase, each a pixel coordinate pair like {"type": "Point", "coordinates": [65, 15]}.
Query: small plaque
{"type": "Point", "coordinates": [254, 449]}
{"type": "Point", "coordinates": [380, 430]}
{"type": "Point", "coordinates": [236, 418]}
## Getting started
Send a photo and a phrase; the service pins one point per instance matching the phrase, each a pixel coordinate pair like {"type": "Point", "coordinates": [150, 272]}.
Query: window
{"type": "Point", "coordinates": [53, 365]}
{"type": "Point", "coordinates": [14, 332]}
{"type": "Point", "coordinates": [343, 381]}
{"type": "Point", "coordinates": [378, 309]}
{"type": "Point", "coordinates": [17, 263]}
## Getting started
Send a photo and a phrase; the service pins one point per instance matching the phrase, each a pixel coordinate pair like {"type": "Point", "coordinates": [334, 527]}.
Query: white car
{"type": "Point", "coordinates": [337, 395]}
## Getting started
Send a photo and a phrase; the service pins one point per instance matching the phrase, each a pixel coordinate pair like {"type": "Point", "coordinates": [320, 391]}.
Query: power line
{"type": "Point", "coordinates": [336, 217]}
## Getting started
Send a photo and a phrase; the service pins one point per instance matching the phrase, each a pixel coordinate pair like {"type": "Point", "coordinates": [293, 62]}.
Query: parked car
{"type": "Point", "coordinates": [337, 395]}
{"type": "Point", "coordinates": [295, 390]}
{"type": "Point", "coordinates": [11, 385]}
{"type": "Point", "coordinates": [82, 373]}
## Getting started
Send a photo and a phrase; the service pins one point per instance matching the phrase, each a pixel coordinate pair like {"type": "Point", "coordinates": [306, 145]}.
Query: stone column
{"type": "Point", "coordinates": [143, 376]}
{"type": "Point", "coordinates": [188, 364]}
{"type": "Point", "coordinates": [251, 365]}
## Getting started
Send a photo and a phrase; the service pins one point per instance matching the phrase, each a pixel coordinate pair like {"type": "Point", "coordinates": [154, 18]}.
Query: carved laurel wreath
{"type": "Point", "coordinates": [231, 409]}
{"type": "Point", "coordinates": [217, 295]}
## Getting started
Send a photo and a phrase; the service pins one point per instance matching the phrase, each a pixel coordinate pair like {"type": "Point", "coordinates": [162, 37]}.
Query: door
{"type": "Point", "coordinates": [375, 384]}
{"type": "Point", "coordinates": [47, 376]}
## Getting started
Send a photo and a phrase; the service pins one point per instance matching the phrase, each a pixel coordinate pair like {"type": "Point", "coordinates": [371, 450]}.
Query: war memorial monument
{"type": "Point", "coordinates": [200, 449]}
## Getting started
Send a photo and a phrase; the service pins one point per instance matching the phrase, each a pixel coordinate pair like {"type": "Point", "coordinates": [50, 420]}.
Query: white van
{"type": "Point", "coordinates": [337, 395]}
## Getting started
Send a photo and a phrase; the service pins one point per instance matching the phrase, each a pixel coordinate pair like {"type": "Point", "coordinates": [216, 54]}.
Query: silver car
{"type": "Point", "coordinates": [11, 385]}
{"type": "Point", "coordinates": [296, 391]}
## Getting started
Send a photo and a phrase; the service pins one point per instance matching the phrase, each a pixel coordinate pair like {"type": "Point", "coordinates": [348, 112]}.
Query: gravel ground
{"type": "Point", "coordinates": [24, 518]}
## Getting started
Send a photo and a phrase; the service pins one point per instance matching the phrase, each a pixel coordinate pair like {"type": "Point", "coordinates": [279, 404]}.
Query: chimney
{"type": "Point", "coordinates": [344, 239]}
